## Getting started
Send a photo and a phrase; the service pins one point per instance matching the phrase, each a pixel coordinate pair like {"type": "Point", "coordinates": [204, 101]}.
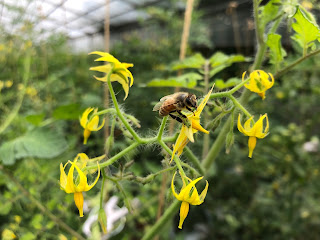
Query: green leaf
{"type": "Point", "coordinates": [220, 61]}
{"type": "Point", "coordinates": [188, 80]}
{"type": "Point", "coordinates": [68, 112]}
{"type": "Point", "coordinates": [39, 143]}
{"type": "Point", "coordinates": [221, 84]}
{"type": "Point", "coordinates": [276, 50]}
{"type": "Point", "coordinates": [306, 31]}
{"type": "Point", "coordinates": [195, 61]}
{"type": "Point", "coordinates": [268, 12]}
{"type": "Point", "coordinates": [35, 119]}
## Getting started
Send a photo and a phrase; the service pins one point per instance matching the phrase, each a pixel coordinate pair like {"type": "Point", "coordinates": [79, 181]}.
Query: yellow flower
{"type": "Point", "coordinates": [120, 72]}
{"type": "Point", "coordinates": [259, 82]}
{"type": "Point", "coordinates": [68, 184]}
{"type": "Point", "coordinates": [187, 196]}
{"type": "Point", "coordinates": [8, 83]}
{"type": "Point", "coordinates": [90, 124]}
{"type": "Point", "coordinates": [254, 132]}
{"type": "Point", "coordinates": [186, 132]}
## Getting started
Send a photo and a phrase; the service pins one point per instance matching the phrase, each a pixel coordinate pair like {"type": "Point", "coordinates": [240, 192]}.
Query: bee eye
{"type": "Point", "coordinates": [188, 102]}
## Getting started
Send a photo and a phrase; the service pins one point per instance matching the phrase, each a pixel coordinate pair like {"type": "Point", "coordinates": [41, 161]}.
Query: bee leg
{"type": "Point", "coordinates": [181, 114]}
{"type": "Point", "coordinates": [176, 118]}
{"type": "Point", "coordinates": [189, 109]}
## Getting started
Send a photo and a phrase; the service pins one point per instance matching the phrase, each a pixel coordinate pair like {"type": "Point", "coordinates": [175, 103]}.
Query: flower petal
{"type": "Point", "coordinates": [103, 68]}
{"type": "Point", "coordinates": [70, 188]}
{"type": "Point", "coordinates": [172, 188]}
{"type": "Point", "coordinates": [63, 176]}
{"type": "Point", "coordinates": [178, 146]}
{"type": "Point", "coordinates": [184, 194]}
{"type": "Point", "coordinates": [197, 126]}
{"type": "Point", "coordinates": [88, 187]}
{"type": "Point", "coordinates": [84, 117]}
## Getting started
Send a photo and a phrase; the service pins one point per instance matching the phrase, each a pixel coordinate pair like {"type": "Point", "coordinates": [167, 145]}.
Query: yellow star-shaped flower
{"type": "Point", "coordinates": [90, 124]}
{"type": "Point", "coordinates": [68, 184]}
{"type": "Point", "coordinates": [254, 132]}
{"type": "Point", "coordinates": [120, 72]}
{"type": "Point", "coordinates": [186, 132]}
{"type": "Point", "coordinates": [259, 82]}
{"type": "Point", "coordinates": [187, 196]}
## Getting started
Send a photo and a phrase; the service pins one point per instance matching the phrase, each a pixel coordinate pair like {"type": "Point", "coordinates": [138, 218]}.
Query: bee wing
{"type": "Point", "coordinates": [157, 106]}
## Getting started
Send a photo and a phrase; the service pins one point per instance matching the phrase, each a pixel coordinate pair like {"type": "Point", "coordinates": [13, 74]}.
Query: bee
{"type": "Point", "coordinates": [175, 103]}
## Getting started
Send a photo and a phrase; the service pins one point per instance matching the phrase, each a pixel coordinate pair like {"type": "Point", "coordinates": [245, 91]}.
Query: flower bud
{"type": "Point", "coordinates": [229, 141]}
{"type": "Point", "coordinates": [102, 218]}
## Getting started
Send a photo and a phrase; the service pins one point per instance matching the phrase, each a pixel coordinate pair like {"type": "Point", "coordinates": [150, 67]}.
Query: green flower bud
{"type": "Point", "coordinates": [102, 218]}
{"type": "Point", "coordinates": [229, 141]}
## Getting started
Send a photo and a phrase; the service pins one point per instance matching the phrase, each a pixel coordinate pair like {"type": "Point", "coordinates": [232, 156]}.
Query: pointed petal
{"type": "Point", "coordinates": [101, 79]}
{"type": "Point", "coordinates": [124, 84]}
{"type": "Point", "coordinates": [93, 123]}
{"type": "Point", "coordinates": [240, 128]}
{"type": "Point", "coordinates": [78, 199]}
{"type": "Point", "coordinates": [83, 180]}
{"type": "Point", "coordinates": [272, 81]}
{"type": "Point", "coordinates": [95, 181]}
{"type": "Point", "coordinates": [184, 210]}
{"type": "Point", "coordinates": [84, 117]}
{"type": "Point", "coordinates": [204, 192]}
{"type": "Point", "coordinates": [197, 126]}
{"type": "Point", "coordinates": [194, 198]}
{"type": "Point", "coordinates": [258, 126]}
{"type": "Point", "coordinates": [188, 132]}
{"type": "Point", "coordinates": [63, 176]}
{"type": "Point", "coordinates": [247, 124]}
{"type": "Point", "coordinates": [103, 68]}
{"type": "Point", "coordinates": [243, 75]}
{"type": "Point", "coordinates": [184, 194]}
{"type": "Point", "coordinates": [203, 103]}
{"type": "Point", "coordinates": [70, 188]}
{"type": "Point", "coordinates": [172, 188]}
{"type": "Point", "coordinates": [178, 144]}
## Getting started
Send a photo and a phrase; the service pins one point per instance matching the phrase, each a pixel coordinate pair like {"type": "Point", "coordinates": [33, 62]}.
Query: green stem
{"type": "Point", "coordinates": [26, 75]}
{"type": "Point", "coordinates": [259, 34]}
{"type": "Point", "coordinates": [167, 215]}
{"type": "Point", "coordinates": [125, 198]}
{"type": "Point", "coordinates": [292, 65]}
{"type": "Point", "coordinates": [239, 105]}
{"type": "Point", "coordinates": [116, 105]}
{"type": "Point", "coordinates": [189, 154]}
{"type": "Point", "coordinates": [236, 88]}
{"type": "Point", "coordinates": [115, 157]}
{"type": "Point", "coordinates": [175, 158]}
{"type": "Point", "coordinates": [162, 126]}
{"type": "Point", "coordinates": [102, 188]}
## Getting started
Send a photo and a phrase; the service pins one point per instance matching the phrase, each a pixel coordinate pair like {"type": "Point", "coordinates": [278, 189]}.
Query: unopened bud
{"type": "Point", "coordinates": [102, 218]}
{"type": "Point", "coordinates": [214, 124]}
{"type": "Point", "coordinates": [229, 141]}
{"type": "Point", "coordinates": [109, 143]}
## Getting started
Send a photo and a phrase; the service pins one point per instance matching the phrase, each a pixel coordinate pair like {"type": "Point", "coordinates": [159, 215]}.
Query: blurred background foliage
{"type": "Point", "coordinates": [275, 195]}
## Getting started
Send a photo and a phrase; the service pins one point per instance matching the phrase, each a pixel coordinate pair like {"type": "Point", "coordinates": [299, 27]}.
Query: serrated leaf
{"type": "Point", "coordinates": [67, 112]}
{"type": "Point", "coordinates": [35, 119]}
{"type": "Point", "coordinates": [219, 83]}
{"type": "Point", "coordinates": [39, 143]}
{"type": "Point", "coordinates": [306, 31]}
{"type": "Point", "coordinates": [195, 61]}
{"type": "Point", "coordinates": [188, 80]}
{"type": "Point", "coordinates": [276, 50]}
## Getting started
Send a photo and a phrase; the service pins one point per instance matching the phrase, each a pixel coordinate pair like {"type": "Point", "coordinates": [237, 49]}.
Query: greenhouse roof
{"type": "Point", "coordinates": [76, 18]}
